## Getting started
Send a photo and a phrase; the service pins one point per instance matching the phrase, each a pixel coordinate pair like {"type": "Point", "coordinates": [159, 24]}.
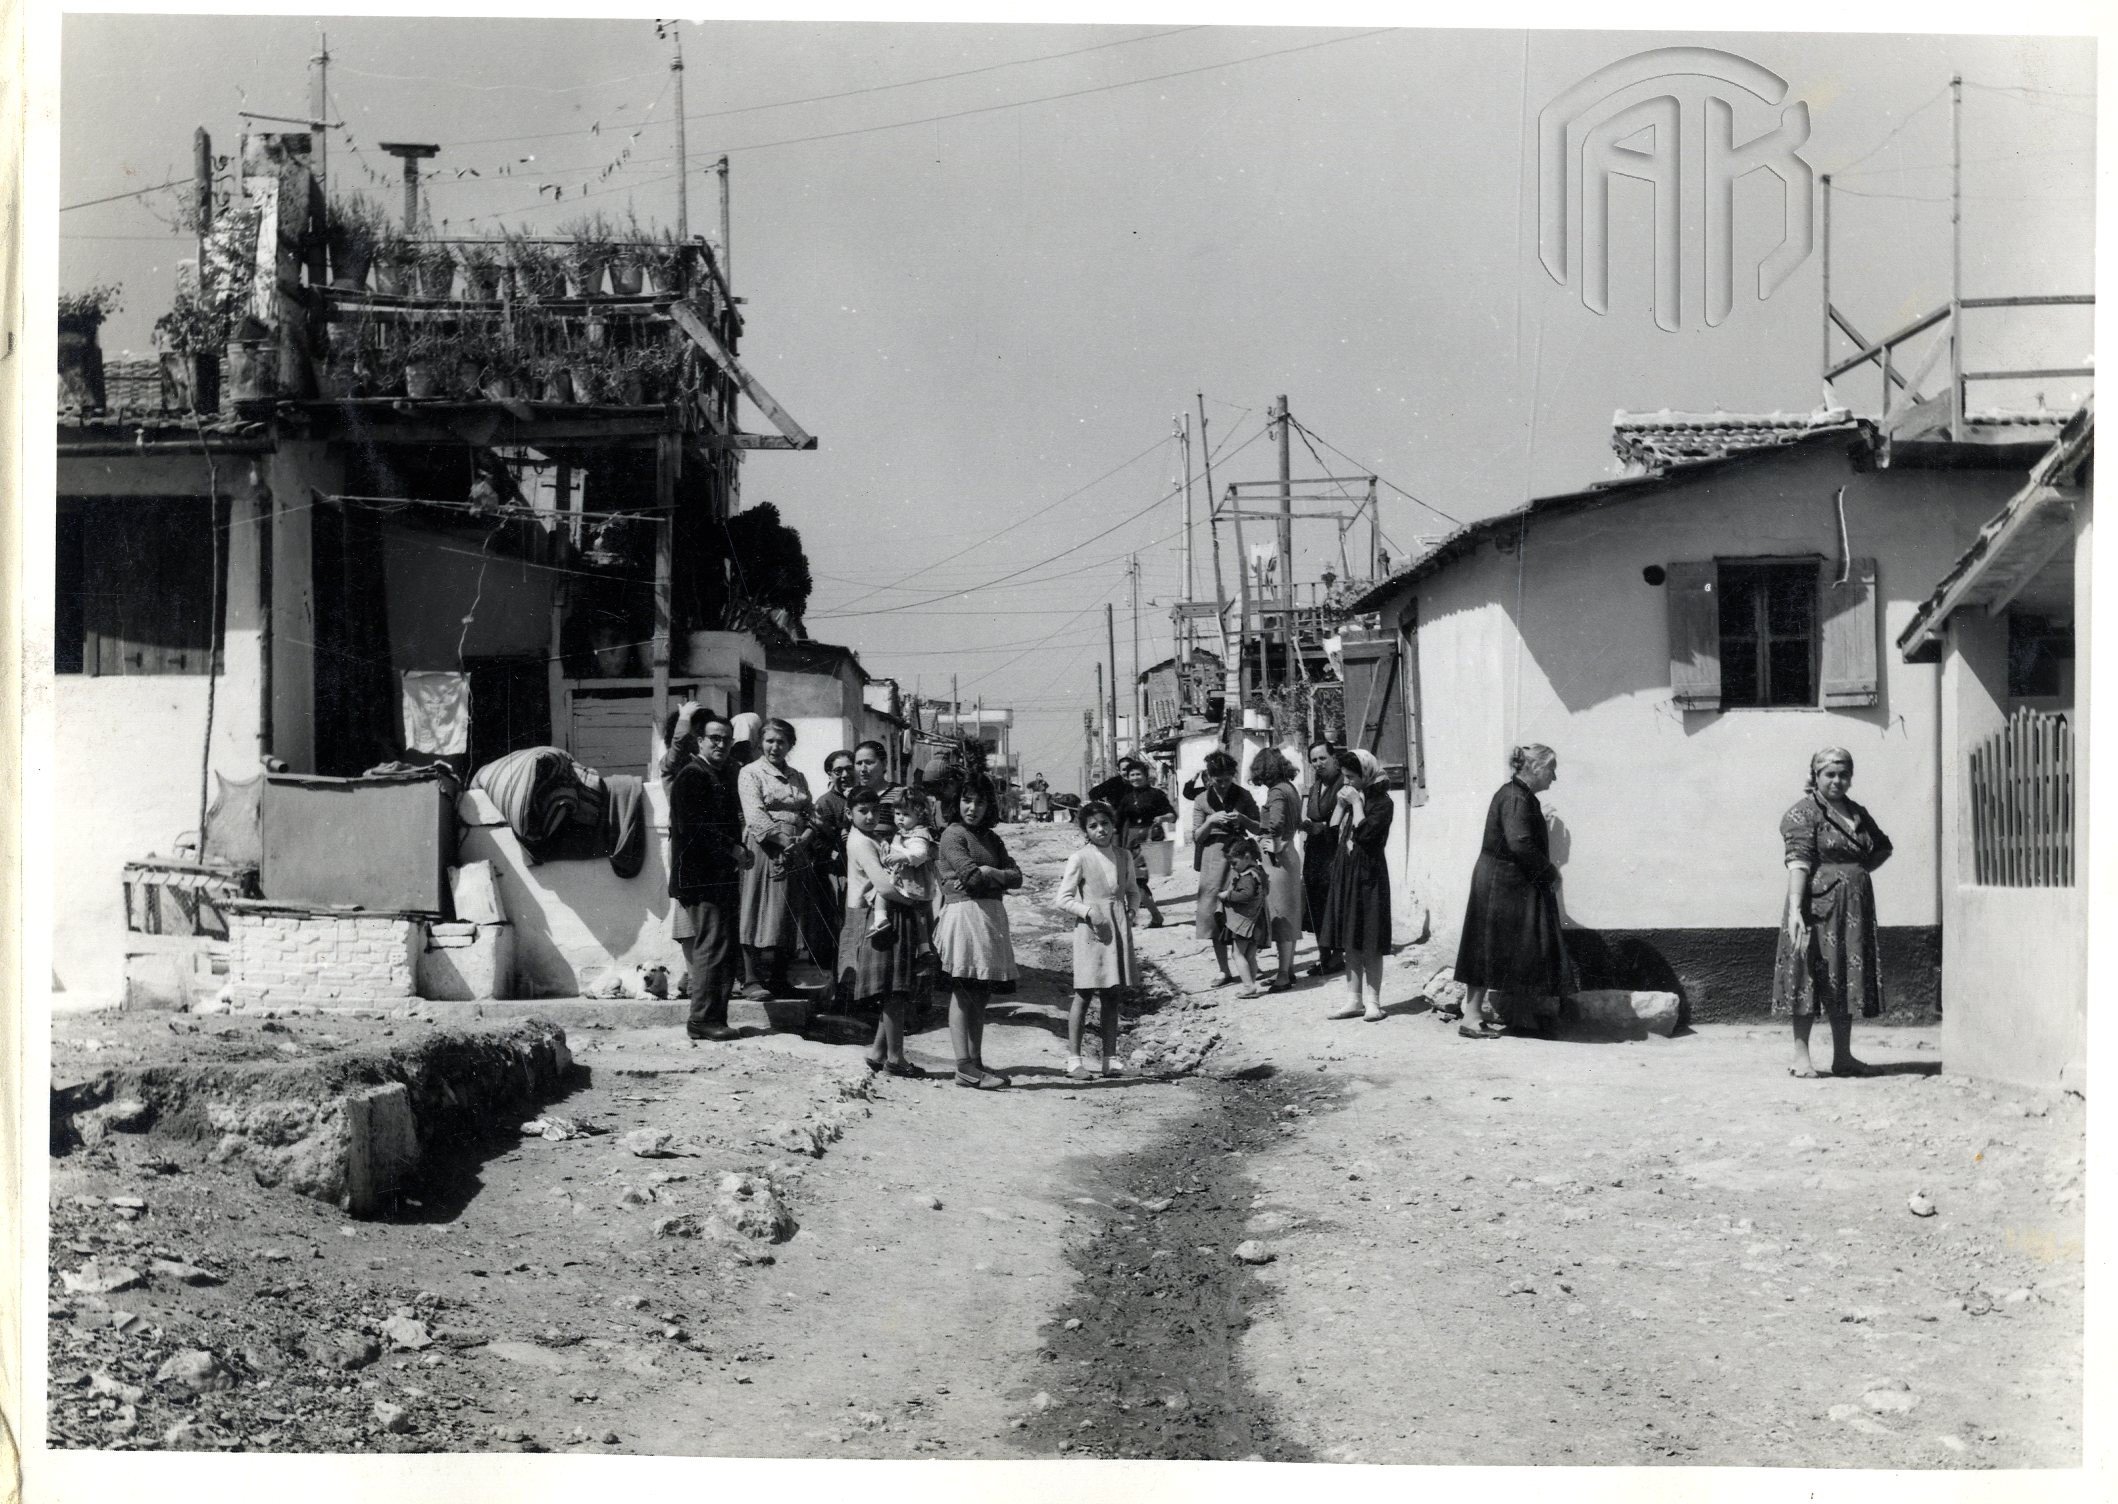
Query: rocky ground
{"type": "Point", "coordinates": [1286, 1238]}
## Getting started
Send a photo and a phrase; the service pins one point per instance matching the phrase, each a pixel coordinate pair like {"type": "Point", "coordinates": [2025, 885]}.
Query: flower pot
{"type": "Point", "coordinates": [252, 371]}
{"type": "Point", "coordinates": [390, 278]}
{"type": "Point", "coordinates": [421, 379]}
{"type": "Point", "coordinates": [350, 261]}
{"type": "Point", "coordinates": [559, 386]}
{"type": "Point", "coordinates": [481, 284]}
{"type": "Point", "coordinates": [499, 386]}
{"type": "Point", "coordinates": [632, 388]}
{"type": "Point", "coordinates": [191, 383]}
{"type": "Point", "coordinates": [468, 373]}
{"type": "Point", "coordinates": [81, 365]}
{"type": "Point", "coordinates": [436, 280]}
{"type": "Point", "coordinates": [626, 278]}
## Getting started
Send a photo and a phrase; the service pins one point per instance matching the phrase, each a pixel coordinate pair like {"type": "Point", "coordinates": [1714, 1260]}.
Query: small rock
{"type": "Point", "coordinates": [1802, 1143]}
{"type": "Point", "coordinates": [1920, 1204]}
{"type": "Point", "coordinates": [682, 1225]}
{"type": "Point", "coordinates": [1073, 1323]}
{"type": "Point", "coordinates": [124, 1423]}
{"type": "Point", "coordinates": [103, 1383]}
{"type": "Point", "coordinates": [1850, 1415]}
{"type": "Point", "coordinates": [1522, 1287]}
{"type": "Point", "coordinates": [1159, 1204]}
{"type": "Point", "coordinates": [93, 1278]}
{"type": "Point", "coordinates": [649, 1143]}
{"type": "Point", "coordinates": [1952, 1443]}
{"type": "Point", "coordinates": [349, 1350]}
{"type": "Point", "coordinates": [195, 1369]}
{"type": "Point", "coordinates": [407, 1334]}
{"type": "Point", "coordinates": [127, 1204]}
{"type": "Point", "coordinates": [1041, 1402]}
{"type": "Point", "coordinates": [1892, 1397]}
{"type": "Point", "coordinates": [392, 1418]}
{"type": "Point", "coordinates": [1251, 1251]}
{"type": "Point", "coordinates": [608, 1438]}
{"type": "Point", "coordinates": [189, 1274]}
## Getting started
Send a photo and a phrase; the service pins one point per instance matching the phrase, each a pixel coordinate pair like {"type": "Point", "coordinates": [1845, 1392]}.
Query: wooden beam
{"type": "Point", "coordinates": [1870, 352]}
{"type": "Point", "coordinates": [704, 337]}
{"type": "Point", "coordinates": [2058, 522]}
{"type": "Point", "coordinates": [1845, 324]}
{"type": "Point", "coordinates": [2044, 373]}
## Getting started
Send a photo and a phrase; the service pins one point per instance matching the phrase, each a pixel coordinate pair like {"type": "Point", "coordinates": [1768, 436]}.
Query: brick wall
{"type": "Point", "coordinates": [275, 958]}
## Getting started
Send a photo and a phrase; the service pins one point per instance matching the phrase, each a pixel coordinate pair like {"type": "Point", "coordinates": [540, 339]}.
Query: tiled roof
{"type": "Point", "coordinates": [152, 425]}
{"type": "Point", "coordinates": [1648, 441]}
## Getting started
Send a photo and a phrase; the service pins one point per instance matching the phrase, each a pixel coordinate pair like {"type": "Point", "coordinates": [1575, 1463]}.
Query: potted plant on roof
{"type": "Point", "coordinates": [481, 272]}
{"type": "Point", "coordinates": [353, 226]}
{"type": "Point", "coordinates": [628, 258]}
{"type": "Point", "coordinates": [536, 267]}
{"type": "Point", "coordinates": [191, 337]}
{"type": "Point", "coordinates": [435, 264]}
{"type": "Point", "coordinates": [552, 377]}
{"type": "Point", "coordinates": [251, 364]}
{"type": "Point", "coordinates": [587, 255]}
{"type": "Point", "coordinates": [81, 316]}
{"type": "Point", "coordinates": [394, 262]}
{"type": "Point", "coordinates": [426, 356]}
{"type": "Point", "coordinates": [665, 256]}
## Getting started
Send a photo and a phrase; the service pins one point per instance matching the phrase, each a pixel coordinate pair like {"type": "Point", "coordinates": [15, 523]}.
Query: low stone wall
{"type": "Point", "coordinates": [285, 955]}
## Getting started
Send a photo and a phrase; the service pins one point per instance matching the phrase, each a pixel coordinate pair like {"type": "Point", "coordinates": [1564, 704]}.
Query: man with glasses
{"type": "Point", "coordinates": [706, 858]}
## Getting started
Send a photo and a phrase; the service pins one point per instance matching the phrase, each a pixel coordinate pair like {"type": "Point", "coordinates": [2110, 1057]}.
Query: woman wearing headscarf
{"type": "Point", "coordinates": [748, 727]}
{"type": "Point", "coordinates": [1827, 959]}
{"type": "Point", "coordinates": [1511, 942]}
{"type": "Point", "coordinates": [1221, 812]}
{"type": "Point", "coordinates": [1277, 829]}
{"type": "Point", "coordinates": [1357, 914]}
{"type": "Point", "coordinates": [784, 893]}
{"type": "Point", "coordinates": [1142, 810]}
{"type": "Point", "coordinates": [1320, 848]}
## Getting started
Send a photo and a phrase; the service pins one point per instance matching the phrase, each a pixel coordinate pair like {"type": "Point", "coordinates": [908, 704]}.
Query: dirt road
{"type": "Point", "coordinates": [1491, 1252]}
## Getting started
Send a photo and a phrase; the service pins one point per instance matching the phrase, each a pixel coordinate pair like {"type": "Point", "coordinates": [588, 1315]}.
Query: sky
{"type": "Point", "coordinates": [989, 265]}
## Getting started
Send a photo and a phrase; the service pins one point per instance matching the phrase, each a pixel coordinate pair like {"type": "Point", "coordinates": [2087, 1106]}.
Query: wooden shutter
{"type": "Point", "coordinates": [1849, 674]}
{"type": "Point", "coordinates": [1415, 741]}
{"type": "Point", "coordinates": [1694, 635]}
{"type": "Point", "coordinates": [1375, 705]}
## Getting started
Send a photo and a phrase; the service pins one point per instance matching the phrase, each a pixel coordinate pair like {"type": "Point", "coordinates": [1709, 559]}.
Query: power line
{"type": "Point", "coordinates": [1371, 470]}
{"type": "Point", "coordinates": [90, 203]}
{"type": "Point", "coordinates": [1919, 110]}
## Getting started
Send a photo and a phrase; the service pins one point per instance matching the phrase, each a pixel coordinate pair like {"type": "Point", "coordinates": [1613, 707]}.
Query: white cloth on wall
{"type": "Point", "coordinates": [437, 711]}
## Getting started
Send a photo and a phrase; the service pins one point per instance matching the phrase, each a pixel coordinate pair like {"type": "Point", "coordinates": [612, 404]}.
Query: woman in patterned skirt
{"type": "Point", "coordinates": [1827, 958]}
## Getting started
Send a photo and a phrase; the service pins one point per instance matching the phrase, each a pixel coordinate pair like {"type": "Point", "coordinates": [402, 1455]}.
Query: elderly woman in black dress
{"type": "Point", "coordinates": [1222, 812]}
{"type": "Point", "coordinates": [1511, 943]}
{"type": "Point", "coordinates": [1827, 959]}
{"type": "Point", "coordinates": [1357, 914]}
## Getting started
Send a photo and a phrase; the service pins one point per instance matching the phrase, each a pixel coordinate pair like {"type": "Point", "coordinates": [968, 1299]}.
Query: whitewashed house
{"type": "Point", "coordinates": [1685, 637]}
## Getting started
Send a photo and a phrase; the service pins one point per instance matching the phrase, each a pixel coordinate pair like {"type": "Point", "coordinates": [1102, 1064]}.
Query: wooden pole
{"type": "Point", "coordinates": [727, 251]}
{"type": "Point", "coordinates": [667, 456]}
{"type": "Point", "coordinates": [1231, 662]}
{"type": "Point", "coordinates": [1286, 541]}
{"type": "Point", "coordinates": [1101, 737]}
{"type": "Point", "coordinates": [1135, 695]}
{"type": "Point", "coordinates": [676, 69]}
{"type": "Point", "coordinates": [1826, 352]}
{"type": "Point", "coordinates": [1235, 518]}
{"type": "Point", "coordinates": [1110, 638]}
{"type": "Point", "coordinates": [319, 94]}
{"type": "Point", "coordinates": [1956, 257]}
{"type": "Point", "coordinates": [202, 183]}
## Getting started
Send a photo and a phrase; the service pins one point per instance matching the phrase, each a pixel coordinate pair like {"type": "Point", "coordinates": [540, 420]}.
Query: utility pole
{"type": "Point", "coordinates": [1956, 261]}
{"type": "Point", "coordinates": [676, 68]}
{"type": "Point", "coordinates": [411, 154]}
{"type": "Point", "coordinates": [1235, 517]}
{"type": "Point", "coordinates": [1110, 638]}
{"type": "Point", "coordinates": [727, 252]}
{"type": "Point", "coordinates": [1231, 662]}
{"type": "Point", "coordinates": [1182, 424]}
{"type": "Point", "coordinates": [319, 93]}
{"type": "Point", "coordinates": [1102, 737]}
{"type": "Point", "coordinates": [202, 176]}
{"type": "Point", "coordinates": [1286, 539]}
{"type": "Point", "coordinates": [1139, 718]}
{"type": "Point", "coordinates": [1826, 180]}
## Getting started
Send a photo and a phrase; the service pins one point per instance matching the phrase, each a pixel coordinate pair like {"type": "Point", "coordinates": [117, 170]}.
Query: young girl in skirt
{"type": "Point", "coordinates": [894, 967]}
{"type": "Point", "coordinates": [971, 934]}
{"type": "Point", "coordinates": [1242, 906]}
{"type": "Point", "coordinates": [1099, 890]}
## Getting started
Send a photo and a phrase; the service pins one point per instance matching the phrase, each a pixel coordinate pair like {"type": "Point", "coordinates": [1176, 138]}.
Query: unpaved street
{"type": "Point", "coordinates": [1477, 1252]}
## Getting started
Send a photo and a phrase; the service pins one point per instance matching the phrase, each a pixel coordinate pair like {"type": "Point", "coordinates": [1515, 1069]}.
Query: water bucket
{"type": "Point", "coordinates": [1159, 855]}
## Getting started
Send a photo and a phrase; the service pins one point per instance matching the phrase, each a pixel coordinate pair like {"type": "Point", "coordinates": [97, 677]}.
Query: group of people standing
{"type": "Point", "coordinates": [895, 890]}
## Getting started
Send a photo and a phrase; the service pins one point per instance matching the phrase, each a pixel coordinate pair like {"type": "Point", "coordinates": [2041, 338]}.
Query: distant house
{"type": "Point", "coordinates": [1685, 637]}
{"type": "Point", "coordinates": [820, 689]}
{"type": "Point", "coordinates": [2002, 622]}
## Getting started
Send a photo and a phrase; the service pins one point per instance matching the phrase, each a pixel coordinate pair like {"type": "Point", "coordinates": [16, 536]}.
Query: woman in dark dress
{"type": "Point", "coordinates": [1320, 849]}
{"type": "Point", "coordinates": [1827, 956]}
{"type": "Point", "coordinates": [1278, 825]}
{"type": "Point", "coordinates": [1220, 812]}
{"type": "Point", "coordinates": [1142, 811]}
{"type": "Point", "coordinates": [1357, 915]}
{"type": "Point", "coordinates": [1511, 943]}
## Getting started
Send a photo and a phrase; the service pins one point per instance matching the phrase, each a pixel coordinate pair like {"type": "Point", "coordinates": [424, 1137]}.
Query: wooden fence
{"type": "Point", "coordinates": [2022, 803]}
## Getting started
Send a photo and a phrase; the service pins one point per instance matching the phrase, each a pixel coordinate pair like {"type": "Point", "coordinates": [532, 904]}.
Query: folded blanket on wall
{"type": "Point", "coordinates": [562, 811]}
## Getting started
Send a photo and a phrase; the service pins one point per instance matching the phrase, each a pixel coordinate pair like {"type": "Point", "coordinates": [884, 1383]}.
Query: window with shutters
{"type": "Point", "coordinates": [1773, 633]}
{"type": "Point", "coordinates": [135, 585]}
{"type": "Point", "coordinates": [1375, 690]}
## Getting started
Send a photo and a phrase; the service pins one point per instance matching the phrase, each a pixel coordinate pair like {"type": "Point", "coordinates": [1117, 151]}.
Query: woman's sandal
{"type": "Point", "coordinates": [1477, 1031]}
{"type": "Point", "coordinates": [1251, 991]}
{"type": "Point", "coordinates": [981, 1081]}
{"type": "Point", "coordinates": [1376, 1017]}
{"type": "Point", "coordinates": [871, 1062]}
{"type": "Point", "coordinates": [1225, 979]}
{"type": "Point", "coordinates": [1811, 1074]}
{"type": "Point", "coordinates": [1285, 986]}
{"type": "Point", "coordinates": [904, 1068]}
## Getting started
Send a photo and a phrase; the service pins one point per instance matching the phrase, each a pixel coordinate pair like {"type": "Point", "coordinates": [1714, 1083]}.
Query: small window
{"type": "Point", "coordinates": [2039, 652]}
{"type": "Point", "coordinates": [1768, 634]}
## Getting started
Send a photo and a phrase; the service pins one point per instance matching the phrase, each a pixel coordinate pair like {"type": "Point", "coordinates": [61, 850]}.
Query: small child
{"type": "Point", "coordinates": [1098, 889]}
{"type": "Point", "coordinates": [1243, 908]}
{"type": "Point", "coordinates": [893, 966]}
{"type": "Point", "coordinates": [908, 856]}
